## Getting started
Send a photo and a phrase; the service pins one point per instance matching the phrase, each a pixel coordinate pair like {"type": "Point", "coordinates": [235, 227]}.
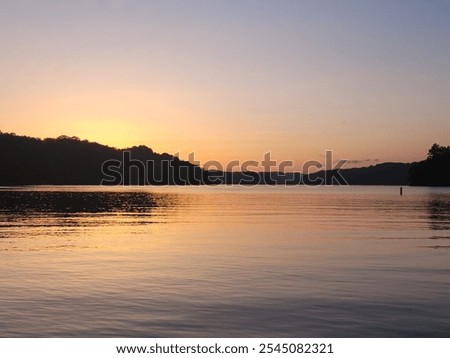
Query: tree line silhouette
{"type": "Point", "coordinates": [433, 171]}
{"type": "Point", "coordinates": [70, 161]}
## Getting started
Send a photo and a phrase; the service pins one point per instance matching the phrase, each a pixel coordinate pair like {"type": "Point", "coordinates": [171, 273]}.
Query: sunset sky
{"type": "Point", "coordinates": [227, 80]}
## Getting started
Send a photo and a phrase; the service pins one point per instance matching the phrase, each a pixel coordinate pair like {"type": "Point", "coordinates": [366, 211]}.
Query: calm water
{"type": "Point", "coordinates": [224, 261]}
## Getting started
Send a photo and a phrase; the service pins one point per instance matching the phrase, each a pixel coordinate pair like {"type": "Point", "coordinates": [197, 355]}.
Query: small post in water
{"type": "Point", "coordinates": [401, 190]}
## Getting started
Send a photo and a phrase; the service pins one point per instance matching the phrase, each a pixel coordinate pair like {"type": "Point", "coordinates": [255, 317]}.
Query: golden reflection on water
{"type": "Point", "coordinates": [224, 261]}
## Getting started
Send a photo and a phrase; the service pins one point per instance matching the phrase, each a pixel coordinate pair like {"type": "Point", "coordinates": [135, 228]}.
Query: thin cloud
{"type": "Point", "coordinates": [362, 161]}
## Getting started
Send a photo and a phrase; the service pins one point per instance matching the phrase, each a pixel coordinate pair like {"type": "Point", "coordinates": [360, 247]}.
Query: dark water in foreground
{"type": "Point", "coordinates": [224, 262]}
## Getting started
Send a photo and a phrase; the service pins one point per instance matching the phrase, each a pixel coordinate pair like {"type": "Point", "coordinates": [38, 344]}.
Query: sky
{"type": "Point", "coordinates": [231, 80]}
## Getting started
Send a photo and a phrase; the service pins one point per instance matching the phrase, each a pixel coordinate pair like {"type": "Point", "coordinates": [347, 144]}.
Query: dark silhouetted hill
{"type": "Point", "coordinates": [71, 161]}
{"type": "Point", "coordinates": [380, 174]}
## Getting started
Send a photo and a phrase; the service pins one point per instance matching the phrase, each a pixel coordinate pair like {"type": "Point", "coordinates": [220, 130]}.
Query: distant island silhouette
{"type": "Point", "coordinates": [71, 161]}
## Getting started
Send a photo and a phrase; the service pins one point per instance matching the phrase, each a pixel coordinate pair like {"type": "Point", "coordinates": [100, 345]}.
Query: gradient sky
{"type": "Point", "coordinates": [231, 79]}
